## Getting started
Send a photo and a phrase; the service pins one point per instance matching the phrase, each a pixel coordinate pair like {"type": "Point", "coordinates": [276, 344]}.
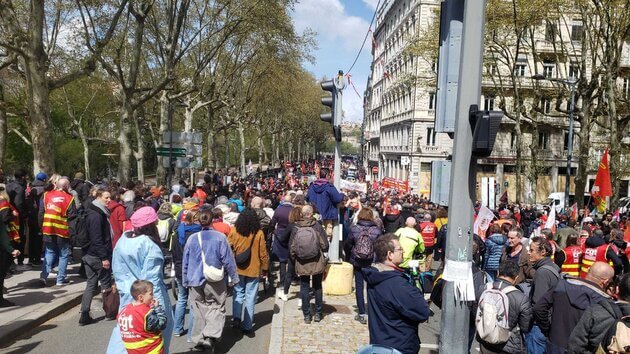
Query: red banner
{"type": "Point", "coordinates": [602, 187]}
{"type": "Point", "coordinates": [400, 186]}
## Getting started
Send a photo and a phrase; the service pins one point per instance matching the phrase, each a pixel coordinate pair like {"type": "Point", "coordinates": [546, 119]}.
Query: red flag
{"type": "Point", "coordinates": [574, 211]}
{"type": "Point", "coordinates": [602, 187]}
{"type": "Point", "coordinates": [504, 198]}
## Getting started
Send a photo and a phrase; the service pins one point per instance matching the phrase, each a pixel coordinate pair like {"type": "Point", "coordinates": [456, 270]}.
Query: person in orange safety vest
{"type": "Point", "coordinates": [599, 250]}
{"type": "Point", "coordinates": [56, 212]}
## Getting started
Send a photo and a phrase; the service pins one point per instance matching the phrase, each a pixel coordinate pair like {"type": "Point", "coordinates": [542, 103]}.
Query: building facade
{"type": "Point", "coordinates": [399, 107]}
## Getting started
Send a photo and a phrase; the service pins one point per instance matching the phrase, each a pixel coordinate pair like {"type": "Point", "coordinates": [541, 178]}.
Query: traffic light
{"type": "Point", "coordinates": [486, 125]}
{"type": "Point", "coordinates": [329, 101]}
{"type": "Point", "coordinates": [334, 101]}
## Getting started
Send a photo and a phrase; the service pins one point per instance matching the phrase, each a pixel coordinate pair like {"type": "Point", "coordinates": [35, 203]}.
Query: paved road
{"type": "Point", "coordinates": [63, 334]}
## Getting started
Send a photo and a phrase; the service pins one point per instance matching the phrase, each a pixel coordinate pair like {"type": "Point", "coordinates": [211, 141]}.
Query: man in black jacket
{"type": "Point", "coordinates": [520, 312]}
{"type": "Point", "coordinates": [98, 253]}
{"type": "Point", "coordinates": [560, 309]}
{"type": "Point", "coordinates": [590, 331]}
{"type": "Point", "coordinates": [35, 243]}
{"type": "Point", "coordinates": [545, 278]}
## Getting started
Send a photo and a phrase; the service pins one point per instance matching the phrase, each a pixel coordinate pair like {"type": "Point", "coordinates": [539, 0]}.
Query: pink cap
{"type": "Point", "coordinates": [143, 216]}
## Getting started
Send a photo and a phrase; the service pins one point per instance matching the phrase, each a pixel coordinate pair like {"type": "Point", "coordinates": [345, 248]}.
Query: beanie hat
{"type": "Point", "coordinates": [143, 216]}
{"type": "Point", "coordinates": [41, 176]}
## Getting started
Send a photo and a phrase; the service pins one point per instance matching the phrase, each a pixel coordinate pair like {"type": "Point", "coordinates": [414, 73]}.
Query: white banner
{"type": "Point", "coordinates": [484, 217]}
{"type": "Point", "coordinates": [353, 186]}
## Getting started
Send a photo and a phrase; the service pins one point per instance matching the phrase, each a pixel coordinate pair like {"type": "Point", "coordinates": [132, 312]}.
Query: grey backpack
{"type": "Point", "coordinates": [306, 243]}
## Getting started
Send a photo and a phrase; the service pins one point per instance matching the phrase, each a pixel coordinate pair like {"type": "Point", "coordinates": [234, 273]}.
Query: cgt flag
{"type": "Point", "coordinates": [602, 187]}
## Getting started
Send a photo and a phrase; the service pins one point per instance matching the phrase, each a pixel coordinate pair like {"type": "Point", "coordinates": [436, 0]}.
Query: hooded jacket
{"type": "Point", "coordinates": [325, 197]}
{"type": "Point", "coordinates": [559, 311]}
{"type": "Point", "coordinates": [593, 325]}
{"type": "Point", "coordinates": [313, 266]}
{"type": "Point", "coordinates": [395, 308]}
{"type": "Point", "coordinates": [177, 248]}
{"type": "Point", "coordinates": [494, 249]}
{"type": "Point", "coordinates": [362, 226]}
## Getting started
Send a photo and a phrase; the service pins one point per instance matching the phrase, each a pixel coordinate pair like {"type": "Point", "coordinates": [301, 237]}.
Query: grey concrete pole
{"type": "Point", "coordinates": [455, 314]}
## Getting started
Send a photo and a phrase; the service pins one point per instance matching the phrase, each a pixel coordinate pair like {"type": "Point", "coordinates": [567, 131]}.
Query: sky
{"type": "Point", "coordinates": [340, 26]}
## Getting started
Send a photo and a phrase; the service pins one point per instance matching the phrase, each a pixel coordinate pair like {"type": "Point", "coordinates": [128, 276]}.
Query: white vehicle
{"type": "Point", "coordinates": [557, 200]}
{"type": "Point", "coordinates": [623, 205]}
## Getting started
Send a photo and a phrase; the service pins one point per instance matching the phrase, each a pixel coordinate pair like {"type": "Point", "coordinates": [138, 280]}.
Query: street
{"type": "Point", "coordinates": [62, 334]}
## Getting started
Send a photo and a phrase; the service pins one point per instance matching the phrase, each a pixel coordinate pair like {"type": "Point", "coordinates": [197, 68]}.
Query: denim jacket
{"type": "Point", "coordinates": [217, 252]}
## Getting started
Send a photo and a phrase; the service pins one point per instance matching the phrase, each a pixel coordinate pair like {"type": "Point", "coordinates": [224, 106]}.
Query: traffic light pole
{"type": "Point", "coordinates": [455, 312]}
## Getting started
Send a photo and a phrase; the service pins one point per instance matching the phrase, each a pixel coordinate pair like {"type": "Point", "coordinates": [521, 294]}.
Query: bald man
{"type": "Point", "coordinates": [560, 309]}
{"type": "Point", "coordinates": [410, 241]}
{"type": "Point", "coordinates": [57, 211]}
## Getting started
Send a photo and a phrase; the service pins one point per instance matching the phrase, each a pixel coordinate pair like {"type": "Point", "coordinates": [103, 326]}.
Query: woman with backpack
{"type": "Point", "coordinates": [250, 253]}
{"type": "Point", "coordinates": [307, 245]}
{"type": "Point", "coordinates": [359, 247]}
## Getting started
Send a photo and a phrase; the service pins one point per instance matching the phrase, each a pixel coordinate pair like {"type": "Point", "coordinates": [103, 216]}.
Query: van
{"type": "Point", "coordinates": [623, 205]}
{"type": "Point", "coordinates": [557, 199]}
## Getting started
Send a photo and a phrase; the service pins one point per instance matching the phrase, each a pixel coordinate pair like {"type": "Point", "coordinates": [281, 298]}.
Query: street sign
{"type": "Point", "coordinates": [182, 137]}
{"type": "Point", "coordinates": [506, 184]}
{"type": "Point", "coordinates": [166, 151]}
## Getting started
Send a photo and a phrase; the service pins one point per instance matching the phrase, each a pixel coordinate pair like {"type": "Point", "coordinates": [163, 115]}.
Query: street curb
{"type": "Point", "coordinates": [24, 325]}
{"type": "Point", "coordinates": [275, 338]}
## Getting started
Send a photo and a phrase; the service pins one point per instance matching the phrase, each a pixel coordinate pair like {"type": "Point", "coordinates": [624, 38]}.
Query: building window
{"type": "Point", "coordinates": [548, 67]}
{"type": "Point", "coordinates": [488, 103]}
{"type": "Point", "coordinates": [491, 69]}
{"type": "Point", "coordinates": [574, 71]}
{"type": "Point", "coordinates": [543, 140]}
{"type": "Point", "coordinates": [431, 135]}
{"type": "Point", "coordinates": [625, 93]}
{"type": "Point", "coordinates": [577, 31]}
{"type": "Point", "coordinates": [545, 105]}
{"type": "Point", "coordinates": [566, 140]}
{"type": "Point", "coordinates": [550, 32]}
{"type": "Point", "coordinates": [432, 100]}
{"type": "Point", "coordinates": [519, 71]}
{"type": "Point", "coordinates": [512, 141]}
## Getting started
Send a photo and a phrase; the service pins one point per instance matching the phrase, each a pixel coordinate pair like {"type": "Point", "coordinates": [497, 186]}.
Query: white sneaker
{"type": "Point", "coordinates": [281, 295]}
{"type": "Point", "coordinates": [299, 304]}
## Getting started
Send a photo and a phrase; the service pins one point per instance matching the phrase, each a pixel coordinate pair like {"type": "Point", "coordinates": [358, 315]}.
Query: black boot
{"type": "Point", "coordinates": [85, 319]}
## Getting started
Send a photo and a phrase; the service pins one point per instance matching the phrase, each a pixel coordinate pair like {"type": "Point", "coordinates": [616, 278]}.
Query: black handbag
{"type": "Point", "coordinates": [242, 259]}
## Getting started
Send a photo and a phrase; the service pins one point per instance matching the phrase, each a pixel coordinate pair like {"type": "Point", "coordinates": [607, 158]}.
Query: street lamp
{"type": "Point", "coordinates": [572, 83]}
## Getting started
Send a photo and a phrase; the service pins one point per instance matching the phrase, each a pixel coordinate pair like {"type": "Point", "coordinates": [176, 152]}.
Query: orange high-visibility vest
{"type": "Point", "coordinates": [135, 337]}
{"type": "Point", "coordinates": [592, 255]}
{"type": "Point", "coordinates": [13, 228]}
{"type": "Point", "coordinates": [572, 258]}
{"type": "Point", "coordinates": [56, 205]}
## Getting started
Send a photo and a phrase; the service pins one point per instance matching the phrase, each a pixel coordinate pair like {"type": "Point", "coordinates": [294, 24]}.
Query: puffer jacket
{"type": "Point", "coordinates": [392, 222]}
{"type": "Point", "coordinates": [313, 266]}
{"type": "Point", "coordinates": [355, 231]}
{"type": "Point", "coordinates": [520, 320]}
{"type": "Point", "coordinates": [593, 325]}
{"type": "Point", "coordinates": [494, 249]}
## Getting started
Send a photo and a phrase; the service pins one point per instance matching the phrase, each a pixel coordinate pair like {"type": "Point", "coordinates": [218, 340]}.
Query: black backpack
{"type": "Point", "coordinates": [78, 229]}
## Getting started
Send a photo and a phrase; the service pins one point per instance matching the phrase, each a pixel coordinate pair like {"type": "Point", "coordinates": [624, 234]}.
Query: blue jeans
{"type": "Point", "coordinates": [180, 310]}
{"type": "Point", "coordinates": [536, 341]}
{"type": "Point", "coordinates": [358, 290]}
{"type": "Point", "coordinates": [57, 251]}
{"type": "Point", "coordinates": [246, 290]}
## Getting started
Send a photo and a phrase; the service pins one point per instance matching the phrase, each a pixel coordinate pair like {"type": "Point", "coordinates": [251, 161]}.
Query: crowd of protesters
{"type": "Point", "coordinates": [565, 281]}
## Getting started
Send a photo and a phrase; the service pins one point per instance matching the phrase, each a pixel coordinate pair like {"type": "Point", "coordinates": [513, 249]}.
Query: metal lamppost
{"type": "Point", "coordinates": [572, 83]}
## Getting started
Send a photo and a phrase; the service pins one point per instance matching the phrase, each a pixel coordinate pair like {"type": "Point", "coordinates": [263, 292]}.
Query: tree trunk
{"type": "Point", "coordinates": [227, 149]}
{"type": "Point", "coordinates": [124, 163]}
{"type": "Point", "coordinates": [3, 127]}
{"type": "Point", "coordinates": [299, 152]}
{"type": "Point", "coordinates": [616, 168]}
{"type": "Point", "coordinates": [166, 116]}
{"type": "Point", "coordinates": [274, 144]}
{"type": "Point", "coordinates": [261, 147]}
{"type": "Point", "coordinates": [39, 115]}
{"type": "Point", "coordinates": [139, 153]}
{"type": "Point", "coordinates": [86, 150]}
{"type": "Point", "coordinates": [212, 158]}
{"type": "Point", "coordinates": [241, 138]}
{"type": "Point", "coordinates": [581, 177]}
